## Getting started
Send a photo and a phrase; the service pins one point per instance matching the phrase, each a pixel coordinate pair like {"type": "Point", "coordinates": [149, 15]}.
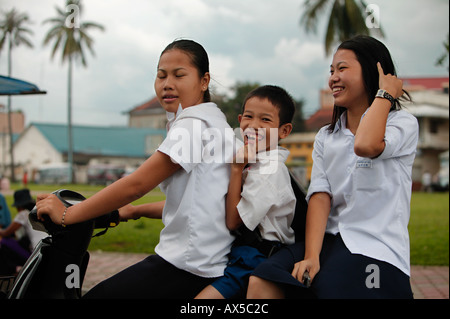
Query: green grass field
{"type": "Point", "coordinates": [429, 226]}
{"type": "Point", "coordinates": [428, 229]}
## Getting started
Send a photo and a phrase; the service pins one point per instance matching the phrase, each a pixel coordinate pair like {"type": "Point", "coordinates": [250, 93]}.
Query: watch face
{"type": "Point", "coordinates": [385, 95]}
{"type": "Point", "coordinates": [381, 93]}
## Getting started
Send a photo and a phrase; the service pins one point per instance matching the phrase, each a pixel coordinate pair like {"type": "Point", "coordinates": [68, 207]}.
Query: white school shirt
{"type": "Point", "coordinates": [34, 236]}
{"type": "Point", "coordinates": [370, 205]}
{"type": "Point", "coordinates": [268, 201]}
{"type": "Point", "coordinates": [195, 237]}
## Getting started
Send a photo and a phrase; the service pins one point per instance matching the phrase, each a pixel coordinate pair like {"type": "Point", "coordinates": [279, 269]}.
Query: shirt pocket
{"type": "Point", "coordinates": [367, 175]}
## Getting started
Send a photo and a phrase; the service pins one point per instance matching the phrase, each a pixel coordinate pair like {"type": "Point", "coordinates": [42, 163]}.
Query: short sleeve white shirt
{"type": "Point", "coordinates": [370, 197]}
{"type": "Point", "coordinates": [195, 237]}
{"type": "Point", "coordinates": [35, 236]}
{"type": "Point", "coordinates": [268, 201]}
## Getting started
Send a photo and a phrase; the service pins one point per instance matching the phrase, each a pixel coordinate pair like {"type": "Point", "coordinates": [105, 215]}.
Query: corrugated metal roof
{"type": "Point", "coordinates": [106, 141]}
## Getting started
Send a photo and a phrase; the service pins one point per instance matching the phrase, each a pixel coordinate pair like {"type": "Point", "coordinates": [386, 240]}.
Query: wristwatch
{"type": "Point", "coordinates": [385, 95]}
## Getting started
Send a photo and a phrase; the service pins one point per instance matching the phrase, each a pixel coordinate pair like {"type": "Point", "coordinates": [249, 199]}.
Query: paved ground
{"type": "Point", "coordinates": [428, 282]}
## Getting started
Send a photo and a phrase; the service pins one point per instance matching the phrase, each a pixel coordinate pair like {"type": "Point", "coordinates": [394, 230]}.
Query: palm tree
{"type": "Point", "coordinates": [70, 36]}
{"type": "Point", "coordinates": [14, 33]}
{"type": "Point", "coordinates": [346, 20]}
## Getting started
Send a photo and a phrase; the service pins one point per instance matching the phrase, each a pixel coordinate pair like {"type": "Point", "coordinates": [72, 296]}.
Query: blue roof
{"type": "Point", "coordinates": [98, 140]}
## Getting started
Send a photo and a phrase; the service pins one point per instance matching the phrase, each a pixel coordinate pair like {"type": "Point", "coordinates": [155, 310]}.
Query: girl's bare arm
{"type": "Point", "coordinates": [124, 191]}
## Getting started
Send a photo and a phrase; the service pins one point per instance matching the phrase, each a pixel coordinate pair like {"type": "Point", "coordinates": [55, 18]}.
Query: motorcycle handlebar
{"type": "Point", "coordinates": [69, 198]}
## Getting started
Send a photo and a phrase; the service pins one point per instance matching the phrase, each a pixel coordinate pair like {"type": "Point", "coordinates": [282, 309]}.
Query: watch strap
{"type": "Point", "coordinates": [385, 95]}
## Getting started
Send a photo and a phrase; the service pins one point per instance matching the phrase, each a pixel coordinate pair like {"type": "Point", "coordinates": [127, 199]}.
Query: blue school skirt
{"type": "Point", "coordinates": [342, 275]}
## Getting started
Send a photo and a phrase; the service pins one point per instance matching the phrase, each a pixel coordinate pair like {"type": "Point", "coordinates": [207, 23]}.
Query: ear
{"type": "Point", "coordinates": [284, 130]}
{"type": "Point", "coordinates": [239, 118]}
{"type": "Point", "coordinates": [205, 80]}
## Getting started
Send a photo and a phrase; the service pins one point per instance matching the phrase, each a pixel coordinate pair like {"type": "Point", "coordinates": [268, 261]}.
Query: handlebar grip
{"type": "Point", "coordinates": [69, 198]}
{"type": "Point", "coordinates": [111, 219]}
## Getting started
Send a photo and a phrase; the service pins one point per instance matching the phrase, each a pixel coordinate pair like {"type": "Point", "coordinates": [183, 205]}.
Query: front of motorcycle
{"type": "Point", "coordinates": [56, 268]}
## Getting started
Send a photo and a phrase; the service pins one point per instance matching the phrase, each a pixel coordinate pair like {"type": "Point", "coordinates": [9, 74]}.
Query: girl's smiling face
{"type": "Point", "coordinates": [178, 81]}
{"type": "Point", "coordinates": [346, 80]}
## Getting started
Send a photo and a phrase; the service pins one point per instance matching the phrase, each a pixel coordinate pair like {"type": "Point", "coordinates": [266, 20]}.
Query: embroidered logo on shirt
{"type": "Point", "coordinates": [364, 163]}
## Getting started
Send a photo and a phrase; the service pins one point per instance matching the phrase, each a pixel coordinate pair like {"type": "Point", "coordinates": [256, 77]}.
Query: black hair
{"type": "Point", "coordinates": [198, 55]}
{"type": "Point", "coordinates": [28, 206]}
{"type": "Point", "coordinates": [369, 51]}
{"type": "Point", "coordinates": [279, 97]}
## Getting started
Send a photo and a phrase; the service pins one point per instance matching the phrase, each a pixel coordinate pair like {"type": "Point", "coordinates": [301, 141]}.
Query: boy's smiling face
{"type": "Point", "coordinates": [260, 124]}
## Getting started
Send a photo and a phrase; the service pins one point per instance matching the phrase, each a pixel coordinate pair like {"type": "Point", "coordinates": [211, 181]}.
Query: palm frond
{"type": "Point", "coordinates": [346, 19]}
{"type": "Point", "coordinates": [13, 25]}
{"type": "Point", "coordinates": [71, 40]}
{"type": "Point", "coordinates": [313, 9]}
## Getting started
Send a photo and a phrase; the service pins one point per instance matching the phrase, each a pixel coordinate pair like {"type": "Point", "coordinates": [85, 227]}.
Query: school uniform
{"type": "Point", "coordinates": [370, 209]}
{"type": "Point", "coordinates": [267, 209]}
{"type": "Point", "coordinates": [195, 241]}
{"type": "Point", "coordinates": [195, 237]}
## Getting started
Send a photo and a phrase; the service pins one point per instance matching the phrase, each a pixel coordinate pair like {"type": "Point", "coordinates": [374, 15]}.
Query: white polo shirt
{"type": "Point", "coordinates": [195, 237]}
{"type": "Point", "coordinates": [268, 201]}
{"type": "Point", "coordinates": [370, 197]}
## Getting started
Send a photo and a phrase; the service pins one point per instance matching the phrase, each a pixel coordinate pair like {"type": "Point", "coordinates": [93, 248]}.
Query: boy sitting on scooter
{"type": "Point", "coordinates": [260, 203]}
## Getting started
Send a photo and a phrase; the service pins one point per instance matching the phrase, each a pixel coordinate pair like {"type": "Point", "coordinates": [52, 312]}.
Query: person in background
{"type": "Point", "coordinates": [19, 238]}
{"type": "Point", "coordinates": [5, 215]}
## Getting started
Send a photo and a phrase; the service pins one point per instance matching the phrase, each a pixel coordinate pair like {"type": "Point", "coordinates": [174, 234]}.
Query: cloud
{"type": "Point", "coordinates": [220, 69]}
{"type": "Point", "coordinates": [297, 53]}
{"type": "Point", "coordinates": [257, 41]}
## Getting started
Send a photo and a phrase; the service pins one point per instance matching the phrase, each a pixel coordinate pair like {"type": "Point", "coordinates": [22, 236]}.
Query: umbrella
{"type": "Point", "coordinates": [12, 86]}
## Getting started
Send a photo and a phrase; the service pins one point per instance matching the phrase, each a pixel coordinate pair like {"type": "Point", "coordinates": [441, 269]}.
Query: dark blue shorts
{"type": "Point", "coordinates": [342, 274]}
{"type": "Point", "coordinates": [242, 261]}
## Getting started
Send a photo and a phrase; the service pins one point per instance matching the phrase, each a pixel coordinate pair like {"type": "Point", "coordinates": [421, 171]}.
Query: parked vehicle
{"type": "Point", "coordinates": [54, 174]}
{"type": "Point", "coordinates": [104, 174]}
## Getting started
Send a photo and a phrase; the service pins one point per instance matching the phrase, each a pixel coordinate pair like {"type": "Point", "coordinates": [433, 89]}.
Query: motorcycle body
{"type": "Point", "coordinates": [56, 268]}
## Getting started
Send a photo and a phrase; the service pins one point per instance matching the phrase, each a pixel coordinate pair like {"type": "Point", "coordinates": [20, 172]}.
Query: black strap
{"type": "Point", "coordinates": [100, 233]}
{"type": "Point", "coordinates": [247, 237]}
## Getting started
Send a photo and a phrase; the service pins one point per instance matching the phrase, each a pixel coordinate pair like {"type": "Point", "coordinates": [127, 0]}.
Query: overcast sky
{"type": "Point", "coordinates": [247, 40]}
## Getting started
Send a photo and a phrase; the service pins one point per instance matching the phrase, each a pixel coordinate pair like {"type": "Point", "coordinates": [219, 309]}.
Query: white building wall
{"type": "Point", "coordinates": [32, 150]}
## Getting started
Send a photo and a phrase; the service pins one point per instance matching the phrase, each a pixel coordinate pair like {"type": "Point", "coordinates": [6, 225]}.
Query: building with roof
{"type": "Point", "coordinates": [149, 114]}
{"type": "Point", "coordinates": [431, 108]}
{"type": "Point", "coordinates": [300, 146]}
{"type": "Point", "coordinates": [323, 115]}
{"type": "Point", "coordinates": [18, 125]}
{"type": "Point", "coordinates": [43, 144]}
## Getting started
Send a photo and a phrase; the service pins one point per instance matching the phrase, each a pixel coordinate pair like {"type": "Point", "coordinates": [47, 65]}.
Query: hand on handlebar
{"type": "Point", "coordinates": [49, 204]}
{"type": "Point", "coordinates": [127, 212]}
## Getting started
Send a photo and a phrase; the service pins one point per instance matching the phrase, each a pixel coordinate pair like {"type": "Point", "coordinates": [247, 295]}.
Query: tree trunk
{"type": "Point", "coordinates": [69, 123]}
{"type": "Point", "coordinates": [10, 132]}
